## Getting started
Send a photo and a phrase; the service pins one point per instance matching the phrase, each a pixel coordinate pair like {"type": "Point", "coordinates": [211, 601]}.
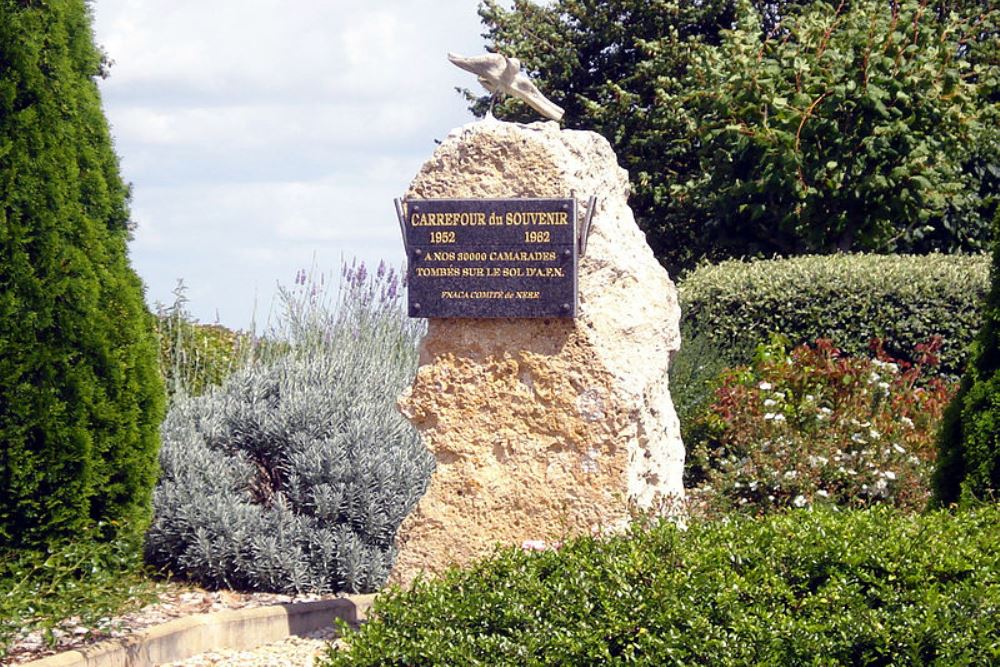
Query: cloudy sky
{"type": "Point", "coordinates": [262, 137]}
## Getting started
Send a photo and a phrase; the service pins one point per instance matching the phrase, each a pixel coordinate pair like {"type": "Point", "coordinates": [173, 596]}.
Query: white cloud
{"type": "Point", "coordinates": [260, 134]}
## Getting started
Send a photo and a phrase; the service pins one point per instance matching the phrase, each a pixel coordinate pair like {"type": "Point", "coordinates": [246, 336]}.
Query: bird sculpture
{"type": "Point", "coordinates": [502, 76]}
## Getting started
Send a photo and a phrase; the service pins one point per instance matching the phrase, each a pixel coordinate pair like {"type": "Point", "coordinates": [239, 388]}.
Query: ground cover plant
{"type": "Point", "coordinates": [810, 425]}
{"type": "Point", "coordinates": [806, 587]}
{"type": "Point", "coordinates": [296, 472]}
{"type": "Point", "coordinates": [75, 582]}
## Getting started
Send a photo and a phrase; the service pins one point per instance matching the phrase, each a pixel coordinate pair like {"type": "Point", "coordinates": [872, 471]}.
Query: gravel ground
{"type": "Point", "coordinates": [175, 602]}
{"type": "Point", "coordinates": [291, 652]}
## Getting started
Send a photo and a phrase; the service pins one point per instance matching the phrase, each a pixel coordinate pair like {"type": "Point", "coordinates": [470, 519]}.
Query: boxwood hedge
{"type": "Point", "coordinates": [800, 588]}
{"type": "Point", "coordinates": [904, 299]}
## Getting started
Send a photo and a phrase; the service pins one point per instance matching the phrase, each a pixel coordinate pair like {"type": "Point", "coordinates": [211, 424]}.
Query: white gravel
{"type": "Point", "coordinates": [174, 602]}
{"type": "Point", "coordinates": [291, 652]}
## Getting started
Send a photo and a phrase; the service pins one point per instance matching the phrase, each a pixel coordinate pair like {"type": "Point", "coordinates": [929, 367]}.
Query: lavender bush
{"type": "Point", "coordinates": [296, 473]}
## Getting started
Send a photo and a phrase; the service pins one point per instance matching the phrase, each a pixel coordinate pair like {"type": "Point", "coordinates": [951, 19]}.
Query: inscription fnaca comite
{"type": "Point", "coordinates": [491, 257]}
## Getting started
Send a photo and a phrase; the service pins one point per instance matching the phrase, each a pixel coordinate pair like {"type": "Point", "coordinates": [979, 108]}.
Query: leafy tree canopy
{"type": "Point", "coordinates": [784, 127]}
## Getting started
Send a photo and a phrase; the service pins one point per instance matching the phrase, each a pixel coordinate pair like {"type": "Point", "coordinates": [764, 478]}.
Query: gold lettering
{"type": "Point", "coordinates": [438, 272]}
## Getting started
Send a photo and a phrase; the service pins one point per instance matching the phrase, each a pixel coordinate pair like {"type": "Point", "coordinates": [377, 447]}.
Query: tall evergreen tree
{"type": "Point", "coordinates": [968, 460]}
{"type": "Point", "coordinates": [80, 395]}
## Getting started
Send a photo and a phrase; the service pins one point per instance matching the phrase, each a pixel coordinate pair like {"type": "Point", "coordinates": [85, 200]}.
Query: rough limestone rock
{"type": "Point", "coordinates": [544, 429]}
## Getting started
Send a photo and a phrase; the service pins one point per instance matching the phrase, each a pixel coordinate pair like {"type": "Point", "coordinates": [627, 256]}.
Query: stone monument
{"type": "Point", "coordinates": [544, 429]}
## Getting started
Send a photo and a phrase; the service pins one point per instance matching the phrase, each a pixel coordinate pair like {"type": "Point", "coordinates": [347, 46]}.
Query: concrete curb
{"type": "Point", "coordinates": [235, 629]}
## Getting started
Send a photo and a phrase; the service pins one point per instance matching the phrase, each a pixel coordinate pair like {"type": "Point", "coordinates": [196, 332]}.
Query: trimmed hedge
{"type": "Point", "coordinates": [800, 588]}
{"type": "Point", "coordinates": [850, 299]}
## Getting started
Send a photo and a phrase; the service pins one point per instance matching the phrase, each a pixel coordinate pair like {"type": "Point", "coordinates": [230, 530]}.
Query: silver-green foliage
{"type": "Point", "coordinates": [296, 473]}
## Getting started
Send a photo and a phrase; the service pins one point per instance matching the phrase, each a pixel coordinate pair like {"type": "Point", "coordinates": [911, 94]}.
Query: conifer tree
{"type": "Point", "coordinates": [968, 462]}
{"type": "Point", "coordinates": [80, 395]}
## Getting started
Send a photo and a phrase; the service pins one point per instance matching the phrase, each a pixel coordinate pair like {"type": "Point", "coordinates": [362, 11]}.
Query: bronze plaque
{"type": "Point", "coordinates": [491, 257]}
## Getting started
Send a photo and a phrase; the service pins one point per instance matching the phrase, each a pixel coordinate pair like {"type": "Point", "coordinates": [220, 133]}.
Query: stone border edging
{"type": "Point", "coordinates": [235, 629]}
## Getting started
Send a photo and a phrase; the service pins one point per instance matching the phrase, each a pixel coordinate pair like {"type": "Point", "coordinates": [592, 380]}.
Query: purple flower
{"type": "Point", "coordinates": [361, 275]}
{"type": "Point", "coordinates": [381, 269]}
{"type": "Point", "coordinates": [393, 286]}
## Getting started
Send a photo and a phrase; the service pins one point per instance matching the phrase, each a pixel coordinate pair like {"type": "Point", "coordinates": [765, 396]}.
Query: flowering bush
{"type": "Point", "coordinates": [815, 426]}
{"type": "Point", "coordinates": [296, 472]}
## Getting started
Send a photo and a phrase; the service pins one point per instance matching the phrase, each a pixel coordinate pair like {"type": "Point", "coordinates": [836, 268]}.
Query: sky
{"type": "Point", "coordinates": [264, 137]}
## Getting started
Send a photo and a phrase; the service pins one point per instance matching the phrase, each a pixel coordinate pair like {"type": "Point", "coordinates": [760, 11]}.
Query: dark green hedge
{"type": "Point", "coordinates": [904, 299]}
{"type": "Point", "coordinates": [802, 588]}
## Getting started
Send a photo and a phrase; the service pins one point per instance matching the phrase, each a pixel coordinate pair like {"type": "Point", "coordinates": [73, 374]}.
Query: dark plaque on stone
{"type": "Point", "coordinates": [491, 257]}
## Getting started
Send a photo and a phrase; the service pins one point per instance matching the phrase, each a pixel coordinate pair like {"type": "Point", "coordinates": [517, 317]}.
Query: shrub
{"type": "Point", "coordinates": [80, 395]}
{"type": "Point", "coordinates": [803, 127]}
{"type": "Point", "coordinates": [194, 356]}
{"type": "Point", "coordinates": [850, 299]}
{"type": "Point", "coordinates": [800, 588]}
{"type": "Point", "coordinates": [969, 442]}
{"type": "Point", "coordinates": [694, 373]}
{"type": "Point", "coordinates": [853, 126]}
{"type": "Point", "coordinates": [813, 426]}
{"type": "Point", "coordinates": [295, 474]}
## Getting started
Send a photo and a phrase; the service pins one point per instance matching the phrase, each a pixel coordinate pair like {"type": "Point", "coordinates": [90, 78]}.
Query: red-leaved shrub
{"type": "Point", "coordinates": [814, 426]}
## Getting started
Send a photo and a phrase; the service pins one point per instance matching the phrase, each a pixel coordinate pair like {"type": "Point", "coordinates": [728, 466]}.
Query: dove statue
{"type": "Point", "coordinates": [502, 76]}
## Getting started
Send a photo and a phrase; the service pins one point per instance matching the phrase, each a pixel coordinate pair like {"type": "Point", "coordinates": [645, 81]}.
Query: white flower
{"type": "Point", "coordinates": [799, 501]}
{"type": "Point", "coordinates": [779, 418]}
{"type": "Point", "coordinates": [874, 434]}
{"type": "Point", "coordinates": [768, 415]}
{"type": "Point", "coordinates": [818, 461]}
{"type": "Point", "coordinates": [856, 437]}
{"type": "Point", "coordinates": [810, 398]}
{"type": "Point", "coordinates": [768, 402]}
{"type": "Point", "coordinates": [874, 377]}
{"type": "Point", "coordinates": [765, 386]}
{"type": "Point", "coordinates": [899, 448]}
{"type": "Point", "coordinates": [791, 474]}
{"type": "Point", "coordinates": [889, 474]}
{"type": "Point", "coordinates": [825, 410]}
{"type": "Point", "coordinates": [907, 421]}
{"type": "Point", "coordinates": [884, 386]}
{"type": "Point", "coordinates": [822, 493]}
{"type": "Point", "coordinates": [885, 366]}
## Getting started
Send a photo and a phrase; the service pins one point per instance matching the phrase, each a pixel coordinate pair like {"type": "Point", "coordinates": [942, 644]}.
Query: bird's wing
{"type": "Point", "coordinates": [489, 66]}
{"type": "Point", "coordinates": [523, 88]}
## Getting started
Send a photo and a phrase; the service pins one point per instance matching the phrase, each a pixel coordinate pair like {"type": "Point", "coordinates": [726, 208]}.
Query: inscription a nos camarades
{"type": "Point", "coordinates": [491, 257]}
